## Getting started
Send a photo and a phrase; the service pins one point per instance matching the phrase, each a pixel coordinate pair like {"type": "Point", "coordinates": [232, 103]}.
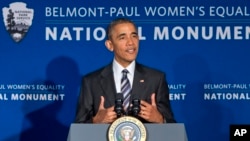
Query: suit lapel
{"type": "Point", "coordinates": [108, 85]}
{"type": "Point", "coordinates": [138, 82]}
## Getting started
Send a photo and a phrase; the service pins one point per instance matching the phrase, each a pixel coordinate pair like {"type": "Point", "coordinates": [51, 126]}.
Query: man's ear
{"type": "Point", "coordinates": [109, 45]}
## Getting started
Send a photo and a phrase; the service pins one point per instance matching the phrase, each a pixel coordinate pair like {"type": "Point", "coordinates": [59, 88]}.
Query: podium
{"type": "Point", "coordinates": [155, 132]}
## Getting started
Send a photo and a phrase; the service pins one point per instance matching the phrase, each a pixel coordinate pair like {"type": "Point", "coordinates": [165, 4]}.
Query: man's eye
{"type": "Point", "coordinates": [121, 38]}
{"type": "Point", "coordinates": [135, 35]}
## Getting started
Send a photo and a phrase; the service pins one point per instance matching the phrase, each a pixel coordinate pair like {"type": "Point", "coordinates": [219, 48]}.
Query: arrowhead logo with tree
{"type": "Point", "coordinates": [17, 20]}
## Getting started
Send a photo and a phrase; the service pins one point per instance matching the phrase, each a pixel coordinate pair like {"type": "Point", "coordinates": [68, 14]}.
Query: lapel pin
{"type": "Point", "coordinates": [142, 81]}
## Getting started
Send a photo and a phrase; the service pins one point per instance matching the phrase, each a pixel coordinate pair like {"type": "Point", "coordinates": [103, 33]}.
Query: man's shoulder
{"type": "Point", "coordinates": [149, 69]}
{"type": "Point", "coordinates": [98, 72]}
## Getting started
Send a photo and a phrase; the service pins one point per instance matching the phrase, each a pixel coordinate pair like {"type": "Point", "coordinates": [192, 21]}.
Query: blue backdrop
{"type": "Point", "coordinates": [46, 46]}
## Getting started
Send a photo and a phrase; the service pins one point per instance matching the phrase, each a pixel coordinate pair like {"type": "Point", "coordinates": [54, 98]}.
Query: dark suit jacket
{"type": "Point", "coordinates": [101, 83]}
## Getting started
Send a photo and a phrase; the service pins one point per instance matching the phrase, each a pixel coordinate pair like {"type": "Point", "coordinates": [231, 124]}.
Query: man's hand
{"type": "Point", "coordinates": [150, 112]}
{"type": "Point", "coordinates": [104, 115]}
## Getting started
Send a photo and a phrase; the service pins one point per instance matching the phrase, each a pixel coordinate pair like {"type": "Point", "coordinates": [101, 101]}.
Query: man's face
{"type": "Point", "coordinates": [124, 42]}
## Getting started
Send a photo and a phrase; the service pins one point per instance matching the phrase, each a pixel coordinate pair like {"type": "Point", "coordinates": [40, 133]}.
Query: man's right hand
{"type": "Point", "coordinates": [104, 115]}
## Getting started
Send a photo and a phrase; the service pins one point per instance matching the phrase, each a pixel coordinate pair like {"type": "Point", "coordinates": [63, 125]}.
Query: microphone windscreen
{"type": "Point", "coordinates": [135, 97]}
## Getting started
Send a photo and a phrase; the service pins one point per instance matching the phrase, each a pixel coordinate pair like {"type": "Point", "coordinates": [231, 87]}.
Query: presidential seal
{"type": "Point", "coordinates": [127, 128]}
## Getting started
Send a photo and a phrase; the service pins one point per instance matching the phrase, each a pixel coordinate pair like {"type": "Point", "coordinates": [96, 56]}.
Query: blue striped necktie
{"type": "Point", "coordinates": [125, 89]}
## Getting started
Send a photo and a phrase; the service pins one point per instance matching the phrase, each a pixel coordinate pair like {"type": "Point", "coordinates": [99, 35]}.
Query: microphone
{"type": "Point", "coordinates": [119, 104]}
{"type": "Point", "coordinates": [136, 106]}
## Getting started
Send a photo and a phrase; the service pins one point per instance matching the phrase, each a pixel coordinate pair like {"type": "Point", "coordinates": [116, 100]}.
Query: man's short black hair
{"type": "Point", "coordinates": [116, 22]}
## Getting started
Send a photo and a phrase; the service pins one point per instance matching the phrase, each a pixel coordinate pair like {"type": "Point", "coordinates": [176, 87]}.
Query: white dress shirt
{"type": "Point", "coordinates": [117, 70]}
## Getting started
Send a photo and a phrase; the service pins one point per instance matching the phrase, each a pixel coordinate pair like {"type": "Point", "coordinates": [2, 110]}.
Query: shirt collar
{"type": "Point", "coordinates": [117, 68]}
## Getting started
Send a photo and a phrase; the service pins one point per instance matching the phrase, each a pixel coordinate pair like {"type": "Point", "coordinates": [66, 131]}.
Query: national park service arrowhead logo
{"type": "Point", "coordinates": [17, 19]}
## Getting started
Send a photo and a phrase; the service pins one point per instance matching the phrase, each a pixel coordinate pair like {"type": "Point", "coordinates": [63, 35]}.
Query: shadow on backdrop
{"type": "Point", "coordinates": [50, 120]}
{"type": "Point", "coordinates": [206, 116]}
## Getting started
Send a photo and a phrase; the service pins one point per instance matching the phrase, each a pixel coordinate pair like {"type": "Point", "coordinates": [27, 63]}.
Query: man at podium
{"type": "Point", "coordinates": [100, 89]}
